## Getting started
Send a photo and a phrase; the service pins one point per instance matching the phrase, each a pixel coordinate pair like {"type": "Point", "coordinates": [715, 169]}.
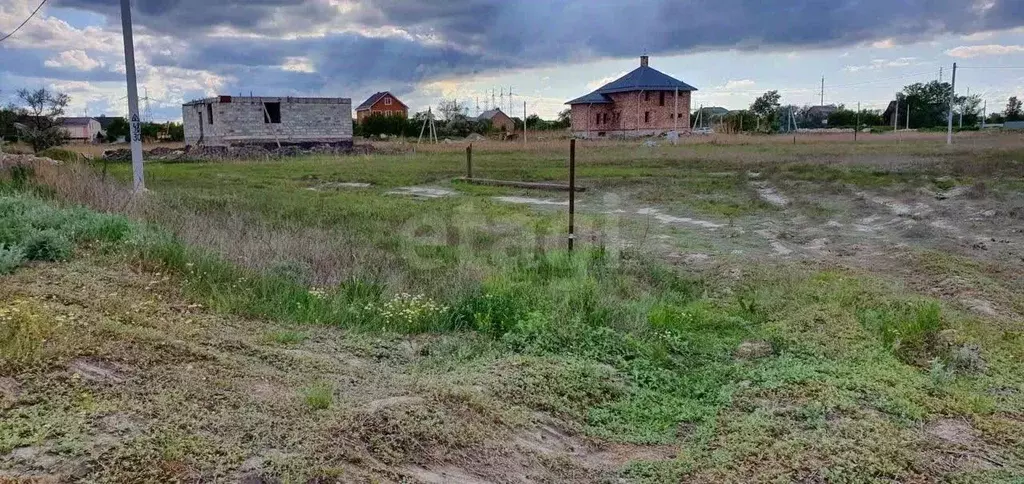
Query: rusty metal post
{"type": "Point", "coordinates": [572, 192]}
{"type": "Point", "coordinates": [469, 161]}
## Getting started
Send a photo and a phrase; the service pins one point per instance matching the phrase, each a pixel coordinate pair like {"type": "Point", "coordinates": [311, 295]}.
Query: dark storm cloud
{"type": "Point", "coordinates": [342, 59]}
{"type": "Point", "coordinates": [557, 30]}
{"type": "Point", "coordinates": [478, 35]}
{"type": "Point", "coordinates": [186, 17]}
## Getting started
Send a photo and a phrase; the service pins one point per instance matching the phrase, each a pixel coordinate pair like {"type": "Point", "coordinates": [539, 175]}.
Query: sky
{"type": "Point", "coordinates": [545, 51]}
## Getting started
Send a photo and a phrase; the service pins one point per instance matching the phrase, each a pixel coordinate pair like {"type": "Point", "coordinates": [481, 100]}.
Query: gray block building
{"type": "Point", "coordinates": [236, 120]}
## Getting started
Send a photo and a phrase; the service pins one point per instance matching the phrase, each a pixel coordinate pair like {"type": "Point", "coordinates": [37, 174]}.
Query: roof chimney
{"type": "Point", "coordinates": [643, 61]}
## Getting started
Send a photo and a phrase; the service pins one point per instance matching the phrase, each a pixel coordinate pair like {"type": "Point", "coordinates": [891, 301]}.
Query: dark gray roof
{"type": "Point", "coordinates": [75, 121]}
{"type": "Point", "coordinates": [592, 98]}
{"type": "Point", "coordinates": [643, 78]}
{"type": "Point", "coordinates": [367, 104]}
{"type": "Point", "coordinates": [486, 115]}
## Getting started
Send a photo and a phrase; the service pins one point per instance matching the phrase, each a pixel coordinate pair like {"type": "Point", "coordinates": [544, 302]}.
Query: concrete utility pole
{"type": "Point", "coordinates": [908, 114]}
{"type": "Point", "coordinates": [138, 181]}
{"type": "Point", "coordinates": [952, 99]}
{"type": "Point", "coordinates": [984, 114]}
{"type": "Point", "coordinates": [856, 128]}
{"type": "Point", "coordinates": [822, 90]}
{"type": "Point", "coordinates": [896, 116]}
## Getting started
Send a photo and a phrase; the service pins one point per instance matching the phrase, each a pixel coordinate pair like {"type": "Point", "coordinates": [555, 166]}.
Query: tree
{"type": "Point", "coordinates": [766, 107]}
{"type": "Point", "coordinates": [43, 110]}
{"type": "Point", "coordinates": [564, 118]}
{"type": "Point", "coordinates": [1013, 110]}
{"type": "Point", "coordinates": [448, 109]}
{"type": "Point", "coordinates": [117, 129]}
{"type": "Point", "coordinates": [533, 121]}
{"type": "Point", "coordinates": [176, 131]}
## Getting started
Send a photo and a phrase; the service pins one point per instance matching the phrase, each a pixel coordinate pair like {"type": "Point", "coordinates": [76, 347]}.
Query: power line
{"type": "Point", "coordinates": [33, 14]}
{"type": "Point", "coordinates": [990, 67]}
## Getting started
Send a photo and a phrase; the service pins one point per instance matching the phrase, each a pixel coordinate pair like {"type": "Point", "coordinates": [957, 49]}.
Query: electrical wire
{"type": "Point", "coordinates": [990, 67]}
{"type": "Point", "coordinates": [33, 14]}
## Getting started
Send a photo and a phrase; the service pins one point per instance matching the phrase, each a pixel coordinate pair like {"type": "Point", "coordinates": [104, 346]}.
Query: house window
{"type": "Point", "coordinates": [604, 119]}
{"type": "Point", "coordinates": [647, 116]}
{"type": "Point", "coordinates": [272, 113]}
{"type": "Point", "coordinates": [209, 112]}
{"type": "Point", "coordinates": [647, 96]}
{"type": "Point", "coordinates": [598, 121]}
{"type": "Point", "coordinates": [661, 98]}
{"type": "Point", "coordinates": [387, 101]}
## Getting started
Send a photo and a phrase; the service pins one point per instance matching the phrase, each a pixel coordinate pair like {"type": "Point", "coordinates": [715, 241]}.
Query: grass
{"type": "Point", "coordinates": [318, 396]}
{"type": "Point", "coordinates": [475, 308]}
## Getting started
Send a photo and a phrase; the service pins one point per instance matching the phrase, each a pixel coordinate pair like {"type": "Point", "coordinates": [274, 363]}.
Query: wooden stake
{"type": "Point", "coordinates": [469, 161]}
{"type": "Point", "coordinates": [572, 192]}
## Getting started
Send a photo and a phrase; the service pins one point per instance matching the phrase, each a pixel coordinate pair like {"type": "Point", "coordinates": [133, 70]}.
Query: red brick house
{"type": "Point", "coordinates": [499, 120]}
{"type": "Point", "coordinates": [381, 103]}
{"type": "Point", "coordinates": [645, 102]}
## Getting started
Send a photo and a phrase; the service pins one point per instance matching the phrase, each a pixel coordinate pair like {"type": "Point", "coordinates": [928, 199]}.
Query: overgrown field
{"type": "Point", "coordinates": [733, 313]}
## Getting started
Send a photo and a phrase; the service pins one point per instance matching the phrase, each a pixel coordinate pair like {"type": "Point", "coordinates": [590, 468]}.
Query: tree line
{"type": "Point", "coordinates": [36, 119]}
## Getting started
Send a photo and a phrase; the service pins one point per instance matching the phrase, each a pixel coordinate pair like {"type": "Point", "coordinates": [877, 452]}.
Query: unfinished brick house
{"type": "Point", "coordinates": [381, 103]}
{"type": "Point", "coordinates": [231, 120]}
{"type": "Point", "coordinates": [499, 120]}
{"type": "Point", "coordinates": [645, 102]}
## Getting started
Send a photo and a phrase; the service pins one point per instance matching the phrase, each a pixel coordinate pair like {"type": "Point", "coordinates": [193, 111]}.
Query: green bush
{"type": "Point", "coordinates": [11, 257]}
{"type": "Point", "coordinates": [48, 245]}
{"type": "Point", "coordinates": [62, 154]}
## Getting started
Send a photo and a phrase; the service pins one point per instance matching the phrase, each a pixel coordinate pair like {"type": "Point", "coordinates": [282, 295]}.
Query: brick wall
{"type": "Point", "coordinates": [382, 107]}
{"type": "Point", "coordinates": [629, 109]}
{"type": "Point", "coordinates": [242, 120]}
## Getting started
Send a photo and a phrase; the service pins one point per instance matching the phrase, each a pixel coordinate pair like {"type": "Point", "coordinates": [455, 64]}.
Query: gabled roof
{"type": "Point", "coordinates": [488, 115]}
{"type": "Point", "coordinates": [106, 120]}
{"type": "Point", "coordinates": [75, 121]}
{"type": "Point", "coordinates": [369, 102]}
{"type": "Point", "coordinates": [643, 78]}
{"type": "Point", "coordinates": [592, 98]}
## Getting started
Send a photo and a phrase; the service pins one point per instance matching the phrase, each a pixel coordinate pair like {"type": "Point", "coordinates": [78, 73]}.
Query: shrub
{"type": "Point", "coordinates": [48, 245]}
{"type": "Point", "coordinates": [11, 257]}
{"type": "Point", "coordinates": [407, 313]}
{"type": "Point", "coordinates": [62, 154]}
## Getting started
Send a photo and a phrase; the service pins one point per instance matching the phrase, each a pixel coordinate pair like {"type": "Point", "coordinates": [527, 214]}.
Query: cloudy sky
{"type": "Point", "coordinates": [548, 51]}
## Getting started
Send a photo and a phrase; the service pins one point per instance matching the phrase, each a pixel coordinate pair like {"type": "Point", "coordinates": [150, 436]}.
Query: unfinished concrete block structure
{"type": "Point", "coordinates": [233, 120]}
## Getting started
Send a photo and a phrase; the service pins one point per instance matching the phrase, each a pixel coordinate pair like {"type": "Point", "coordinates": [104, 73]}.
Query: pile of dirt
{"type": "Point", "coordinates": [242, 152]}
{"type": "Point", "coordinates": [10, 159]}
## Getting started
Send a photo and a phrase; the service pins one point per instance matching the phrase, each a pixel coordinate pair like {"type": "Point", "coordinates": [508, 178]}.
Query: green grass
{"type": "Point", "coordinates": [318, 396]}
{"type": "Point", "coordinates": [286, 337]}
{"type": "Point", "coordinates": [618, 346]}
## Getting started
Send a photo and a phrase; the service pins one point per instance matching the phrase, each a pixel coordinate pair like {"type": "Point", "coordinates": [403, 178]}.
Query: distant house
{"type": "Point", "coordinates": [381, 103]}
{"type": "Point", "coordinates": [817, 116]}
{"type": "Point", "coordinates": [890, 111]}
{"type": "Point", "coordinates": [644, 102]}
{"type": "Point", "coordinates": [499, 120]}
{"type": "Point", "coordinates": [81, 129]}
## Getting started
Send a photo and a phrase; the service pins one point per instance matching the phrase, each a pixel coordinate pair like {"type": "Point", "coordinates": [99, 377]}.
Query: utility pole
{"type": "Point", "coordinates": [896, 116]}
{"type": "Point", "coordinates": [984, 114]}
{"type": "Point", "coordinates": [940, 75]}
{"type": "Point", "coordinates": [822, 90]}
{"type": "Point", "coordinates": [908, 114]}
{"type": "Point", "coordinates": [952, 98]}
{"type": "Point", "coordinates": [138, 181]}
{"type": "Point", "coordinates": [524, 123]}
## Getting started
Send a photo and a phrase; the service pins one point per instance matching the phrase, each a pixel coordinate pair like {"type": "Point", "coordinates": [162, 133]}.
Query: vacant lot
{"type": "Point", "coordinates": [737, 310]}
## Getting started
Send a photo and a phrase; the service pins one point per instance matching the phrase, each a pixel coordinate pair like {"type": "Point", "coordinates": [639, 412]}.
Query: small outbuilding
{"type": "Point", "coordinates": [499, 120]}
{"type": "Point", "coordinates": [82, 129]}
{"type": "Point", "coordinates": [230, 120]}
